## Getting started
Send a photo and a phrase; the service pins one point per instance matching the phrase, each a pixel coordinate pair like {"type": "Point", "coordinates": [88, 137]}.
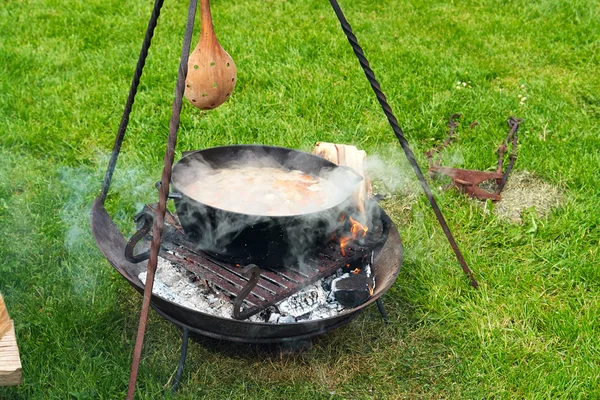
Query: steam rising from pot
{"type": "Point", "coordinates": [317, 192]}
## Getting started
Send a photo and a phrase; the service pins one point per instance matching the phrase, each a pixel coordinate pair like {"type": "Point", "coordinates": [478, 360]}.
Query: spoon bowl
{"type": "Point", "coordinates": [211, 75]}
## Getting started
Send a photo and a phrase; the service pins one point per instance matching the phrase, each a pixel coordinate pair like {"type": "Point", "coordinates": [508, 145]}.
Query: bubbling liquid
{"type": "Point", "coordinates": [264, 191]}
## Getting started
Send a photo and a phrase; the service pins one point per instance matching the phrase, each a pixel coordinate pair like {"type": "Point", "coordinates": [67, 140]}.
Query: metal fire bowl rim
{"type": "Point", "coordinates": [257, 340]}
{"type": "Point", "coordinates": [112, 244]}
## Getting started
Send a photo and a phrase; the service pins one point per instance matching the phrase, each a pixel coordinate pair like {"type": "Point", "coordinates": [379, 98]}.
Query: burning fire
{"type": "Point", "coordinates": [357, 230]}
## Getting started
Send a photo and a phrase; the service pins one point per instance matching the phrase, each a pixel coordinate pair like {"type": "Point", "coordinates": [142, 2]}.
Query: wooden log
{"type": "Point", "coordinates": [10, 362]}
{"type": "Point", "coordinates": [349, 156]}
{"type": "Point", "coordinates": [4, 318]}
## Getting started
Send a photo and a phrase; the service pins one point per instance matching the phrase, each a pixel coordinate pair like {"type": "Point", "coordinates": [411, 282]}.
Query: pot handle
{"type": "Point", "coordinates": [172, 194]}
{"type": "Point", "coordinates": [129, 248]}
{"type": "Point", "coordinates": [254, 272]}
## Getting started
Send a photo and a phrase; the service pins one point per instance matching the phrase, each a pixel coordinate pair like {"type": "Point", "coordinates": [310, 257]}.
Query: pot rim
{"type": "Point", "coordinates": [262, 216]}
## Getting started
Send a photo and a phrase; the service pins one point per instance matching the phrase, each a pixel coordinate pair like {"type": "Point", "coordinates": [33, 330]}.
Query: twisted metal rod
{"type": "Point", "coordinates": [514, 124]}
{"type": "Point", "coordinates": [163, 194]}
{"type": "Point", "coordinates": [364, 63]}
{"type": "Point", "coordinates": [137, 75]}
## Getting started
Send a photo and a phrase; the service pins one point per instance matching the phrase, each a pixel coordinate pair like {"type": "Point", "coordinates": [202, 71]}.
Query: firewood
{"type": "Point", "coordinates": [10, 363]}
{"type": "Point", "coordinates": [4, 319]}
{"type": "Point", "coordinates": [349, 156]}
{"type": "Point", "coordinates": [352, 290]}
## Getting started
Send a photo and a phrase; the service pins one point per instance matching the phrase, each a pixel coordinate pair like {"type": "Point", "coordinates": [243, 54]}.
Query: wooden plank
{"type": "Point", "coordinates": [350, 156]}
{"type": "Point", "coordinates": [10, 362]}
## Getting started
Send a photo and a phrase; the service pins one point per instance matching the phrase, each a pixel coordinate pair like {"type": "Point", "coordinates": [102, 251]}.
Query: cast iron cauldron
{"type": "Point", "coordinates": [268, 241]}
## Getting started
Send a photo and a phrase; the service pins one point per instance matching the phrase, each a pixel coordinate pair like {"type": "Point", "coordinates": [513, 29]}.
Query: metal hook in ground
{"type": "Point", "coordinates": [467, 181]}
{"type": "Point", "coordinates": [514, 124]}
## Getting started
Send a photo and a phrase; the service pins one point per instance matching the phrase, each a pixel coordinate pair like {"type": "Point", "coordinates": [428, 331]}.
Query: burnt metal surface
{"type": "Point", "coordinates": [110, 241]}
{"type": "Point", "coordinates": [244, 287]}
{"type": "Point", "coordinates": [467, 181]}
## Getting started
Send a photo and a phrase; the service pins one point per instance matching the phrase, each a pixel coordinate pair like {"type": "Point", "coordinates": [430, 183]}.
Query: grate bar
{"type": "Point", "coordinates": [273, 285]}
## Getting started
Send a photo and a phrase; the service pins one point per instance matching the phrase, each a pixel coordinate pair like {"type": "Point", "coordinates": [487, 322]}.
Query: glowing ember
{"type": "Point", "coordinates": [356, 271]}
{"type": "Point", "coordinates": [357, 230]}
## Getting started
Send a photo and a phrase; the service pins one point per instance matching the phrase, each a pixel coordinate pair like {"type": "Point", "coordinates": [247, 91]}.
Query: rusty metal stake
{"type": "Point", "coordinates": [467, 181]}
{"type": "Point", "coordinates": [514, 124]}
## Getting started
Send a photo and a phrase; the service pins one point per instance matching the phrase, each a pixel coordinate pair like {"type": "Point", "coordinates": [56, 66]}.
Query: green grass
{"type": "Point", "coordinates": [531, 331]}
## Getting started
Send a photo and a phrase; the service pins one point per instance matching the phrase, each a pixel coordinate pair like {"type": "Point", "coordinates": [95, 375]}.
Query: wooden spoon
{"type": "Point", "coordinates": [211, 73]}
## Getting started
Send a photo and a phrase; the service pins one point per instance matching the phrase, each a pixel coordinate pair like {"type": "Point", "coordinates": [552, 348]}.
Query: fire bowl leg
{"type": "Point", "coordinates": [384, 313]}
{"type": "Point", "coordinates": [184, 345]}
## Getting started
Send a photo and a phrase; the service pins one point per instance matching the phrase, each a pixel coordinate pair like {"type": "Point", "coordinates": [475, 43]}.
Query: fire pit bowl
{"type": "Point", "coordinates": [112, 244]}
{"type": "Point", "coordinates": [266, 239]}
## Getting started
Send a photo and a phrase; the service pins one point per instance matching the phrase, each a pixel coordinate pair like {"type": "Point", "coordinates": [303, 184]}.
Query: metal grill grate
{"type": "Point", "coordinates": [273, 285]}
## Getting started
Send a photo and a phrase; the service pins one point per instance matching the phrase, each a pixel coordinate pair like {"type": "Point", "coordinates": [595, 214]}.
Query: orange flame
{"type": "Point", "coordinates": [344, 243]}
{"type": "Point", "coordinates": [356, 230]}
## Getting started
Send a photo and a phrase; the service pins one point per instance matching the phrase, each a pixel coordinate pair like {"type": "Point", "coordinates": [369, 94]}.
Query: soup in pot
{"type": "Point", "coordinates": [264, 191]}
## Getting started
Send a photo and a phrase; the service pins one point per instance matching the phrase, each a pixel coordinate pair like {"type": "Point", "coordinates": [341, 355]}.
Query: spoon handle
{"type": "Point", "coordinates": [208, 31]}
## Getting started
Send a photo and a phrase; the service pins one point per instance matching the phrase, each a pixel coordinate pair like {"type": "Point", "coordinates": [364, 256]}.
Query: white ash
{"type": "Point", "coordinates": [177, 285]}
{"type": "Point", "coordinates": [303, 302]}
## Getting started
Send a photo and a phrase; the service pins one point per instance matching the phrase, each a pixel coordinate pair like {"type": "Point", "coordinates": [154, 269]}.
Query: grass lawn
{"type": "Point", "coordinates": [531, 331]}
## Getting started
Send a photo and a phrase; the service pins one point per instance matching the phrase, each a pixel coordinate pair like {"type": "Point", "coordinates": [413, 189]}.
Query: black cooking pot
{"type": "Point", "coordinates": [265, 240]}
